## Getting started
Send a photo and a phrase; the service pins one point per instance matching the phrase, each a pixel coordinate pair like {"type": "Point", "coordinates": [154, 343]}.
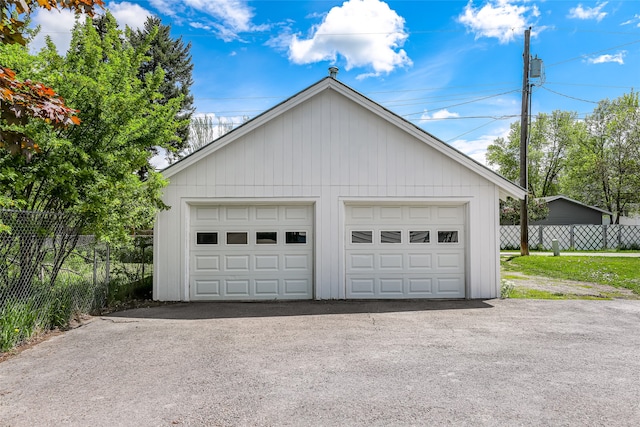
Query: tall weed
{"type": "Point", "coordinates": [18, 322]}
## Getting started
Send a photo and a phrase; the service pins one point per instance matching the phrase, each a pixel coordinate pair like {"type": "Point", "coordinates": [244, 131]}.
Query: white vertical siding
{"type": "Point", "coordinates": [483, 251]}
{"type": "Point", "coordinates": [324, 149]}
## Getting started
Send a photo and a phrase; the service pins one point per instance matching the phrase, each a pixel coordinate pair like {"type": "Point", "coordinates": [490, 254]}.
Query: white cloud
{"type": "Point", "coordinates": [199, 25]}
{"type": "Point", "coordinates": [438, 115]}
{"type": "Point", "coordinates": [230, 17]}
{"type": "Point", "coordinates": [281, 41]}
{"type": "Point", "coordinates": [580, 12]}
{"type": "Point", "coordinates": [166, 7]}
{"type": "Point", "coordinates": [366, 33]}
{"type": "Point", "coordinates": [161, 159]}
{"type": "Point", "coordinates": [501, 19]}
{"type": "Point", "coordinates": [58, 24]}
{"type": "Point", "coordinates": [477, 148]}
{"type": "Point", "coordinates": [634, 20]}
{"type": "Point", "coordinates": [129, 14]}
{"type": "Point", "coordinates": [55, 24]}
{"type": "Point", "coordinates": [227, 19]}
{"type": "Point", "coordinates": [234, 15]}
{"type": "Point", "coordinates": [602, 59]}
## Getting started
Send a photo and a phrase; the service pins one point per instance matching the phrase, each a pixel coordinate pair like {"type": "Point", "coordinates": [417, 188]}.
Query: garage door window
{"type": "Point", "coordinates": [447, 237]}
{"type": "Point", "coordinates": [296, 237]}
{"type": "Point", "coordinates": [418, 237]}
{"type": "Point", "coordinates": [362, 237]}
{"type": "Point", "coordinates": [235, 238]}
{"type": "Point", "coordinates": [390, 237]}
{"type": "Point", "coordinates": [266, 237]}
{"type": "Point", "coordinates": [207, 238]}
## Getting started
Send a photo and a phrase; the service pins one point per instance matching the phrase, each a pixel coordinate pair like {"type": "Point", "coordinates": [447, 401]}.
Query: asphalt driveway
{"type": "Point", "coordinates": [511, 362]}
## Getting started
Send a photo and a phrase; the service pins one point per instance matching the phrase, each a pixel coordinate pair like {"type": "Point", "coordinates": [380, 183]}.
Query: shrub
{"type": "Point", "coordinates": [506, 288]}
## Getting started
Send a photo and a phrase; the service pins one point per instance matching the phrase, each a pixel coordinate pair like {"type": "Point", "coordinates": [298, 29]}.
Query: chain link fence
{"type": "Point", "coordinates": [50, 272]}
{"type": "Point", "coordinates": [573, 237]}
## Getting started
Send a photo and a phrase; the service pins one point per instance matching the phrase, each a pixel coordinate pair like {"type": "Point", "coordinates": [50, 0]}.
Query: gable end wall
{"type": "Point", "coordinates": [325, 151]}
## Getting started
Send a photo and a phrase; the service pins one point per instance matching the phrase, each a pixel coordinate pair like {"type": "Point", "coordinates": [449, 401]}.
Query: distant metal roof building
{"type": "Point", "coordinates": [566, 211]}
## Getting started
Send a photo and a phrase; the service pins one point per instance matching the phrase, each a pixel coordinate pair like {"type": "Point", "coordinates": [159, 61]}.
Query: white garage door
{"type": "Point", "coordinates": [405, 251]}
{"type": "Point", "coordinates": [251, 252]}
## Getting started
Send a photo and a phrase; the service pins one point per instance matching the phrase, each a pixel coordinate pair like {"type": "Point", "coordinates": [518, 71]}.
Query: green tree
{"type": "Point", "coordinates": [504, 154]}
{"type": "Point", "coordinates": [604, 167]}
{"type": "Point", "coordinates": [90, 169]}
{"type": "Point", "coordinates": [537, 209]}
{"type": "Point", "coordinates": [174, 58]}
{"type": "Point", "coordinates": [551, 135]}
{"type": "Point", "coordinates": [203, 130]}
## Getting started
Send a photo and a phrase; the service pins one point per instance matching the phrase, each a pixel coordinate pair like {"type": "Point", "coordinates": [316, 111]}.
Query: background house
{"type": "Point", "coordinates": [566, 211]}
{"type": "Point", "coordinates": [631, 215]}
{"type": "Point", "coordinates": [329, 195]}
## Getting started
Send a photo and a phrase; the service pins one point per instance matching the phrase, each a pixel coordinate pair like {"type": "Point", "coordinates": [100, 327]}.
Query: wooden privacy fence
{"type": "Point", "coordinates": [578, 237]}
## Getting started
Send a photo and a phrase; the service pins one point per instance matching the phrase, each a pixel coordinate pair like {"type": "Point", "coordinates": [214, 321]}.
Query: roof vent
{"type": "Point", "coordinates": [333, 72]}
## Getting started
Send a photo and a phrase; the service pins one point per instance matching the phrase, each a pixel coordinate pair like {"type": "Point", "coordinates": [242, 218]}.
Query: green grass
{"type": "Point", "coordinates": [619, 272]}
{"type": "Point", "coordinates": [520, 293]}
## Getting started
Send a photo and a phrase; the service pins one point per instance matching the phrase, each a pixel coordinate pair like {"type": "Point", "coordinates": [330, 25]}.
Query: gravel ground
{"type": "Point", "coordinates": [499, 362]}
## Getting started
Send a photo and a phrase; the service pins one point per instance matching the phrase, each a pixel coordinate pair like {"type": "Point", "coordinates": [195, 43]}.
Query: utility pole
{"type": "Point", "coordinates": [524, 133]}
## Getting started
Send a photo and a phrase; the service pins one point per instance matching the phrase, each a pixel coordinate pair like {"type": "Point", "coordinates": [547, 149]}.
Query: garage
{"type": "Point", "coordinates": [328, 195]}
{"type": "Point", "coordinates": [405, 251]}
{"type": "Point", "coordinates": [245, 252]}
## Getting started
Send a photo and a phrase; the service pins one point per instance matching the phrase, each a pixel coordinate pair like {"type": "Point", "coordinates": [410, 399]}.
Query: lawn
{"type": "Point", "coordinates": [619, 272]}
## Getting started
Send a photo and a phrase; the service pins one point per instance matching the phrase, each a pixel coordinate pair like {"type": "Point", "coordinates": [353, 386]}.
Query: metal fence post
{"type": "Point", "coordinates": [107, 276]}
{"type": "Point", "coordinates": [95, 266]}
{"type": "Point", "coordinates": [571, 238]}
{"type": "Point", "coordinates": [619, 237]}
{"type": "Point", "coordinates": [540, 236]}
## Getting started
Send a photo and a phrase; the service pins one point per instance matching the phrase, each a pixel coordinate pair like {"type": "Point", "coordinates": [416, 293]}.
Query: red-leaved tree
{"type": "Point", "coordinates": [22, 100]}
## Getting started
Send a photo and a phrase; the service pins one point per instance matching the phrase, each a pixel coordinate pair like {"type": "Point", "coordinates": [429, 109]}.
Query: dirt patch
{"type": "Point", "coordinates": [569, 287]}
{"type": "Point", "coordinates": [130, 305]}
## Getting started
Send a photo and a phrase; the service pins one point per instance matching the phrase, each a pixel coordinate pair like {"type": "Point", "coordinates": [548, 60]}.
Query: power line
{"type": "Point", "coordinates": [568, 96]}
{"type": "Point", "coordinates": [424, 89]}
{"type": "Point", "coordinates": [468, 102]}
{"type": "Point", "coordinates": [427, 89]}
{"type": "Point", "coordinates": [437, 98]}
{"type": "Point", "coordinates": [435, 119]}
{"type": "Point", "coordinates": [588, 85]}
{"type": "Point", "coordinates": [592, 53]}
{"type": "Point", "coordinates": [472, 130]}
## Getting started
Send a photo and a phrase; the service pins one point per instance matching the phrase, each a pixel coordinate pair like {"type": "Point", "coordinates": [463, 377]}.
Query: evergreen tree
{"type": "Point", "coordinates": [173, 56]}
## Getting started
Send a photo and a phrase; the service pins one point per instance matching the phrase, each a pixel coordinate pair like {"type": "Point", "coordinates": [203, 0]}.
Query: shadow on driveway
{"type": "Point", "coordinates": [225, 310]}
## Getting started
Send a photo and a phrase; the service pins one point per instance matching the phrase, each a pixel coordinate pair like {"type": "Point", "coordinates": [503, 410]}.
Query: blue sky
{"type": "Point", "coordinates": [452, 67]}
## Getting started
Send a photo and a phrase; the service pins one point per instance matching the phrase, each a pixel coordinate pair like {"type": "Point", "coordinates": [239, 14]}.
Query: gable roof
{"type": "Point", "coordinates": [549, 199]}
{"type": "Point", "coordinates": [507, 188]}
